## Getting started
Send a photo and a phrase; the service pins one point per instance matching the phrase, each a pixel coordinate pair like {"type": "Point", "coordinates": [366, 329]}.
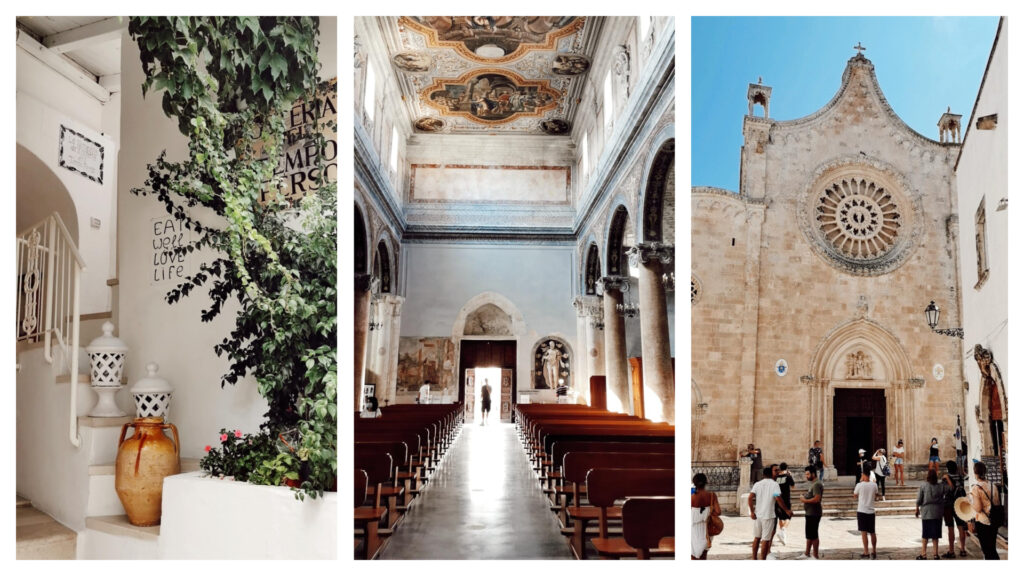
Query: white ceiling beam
{"type": "Point", "coordinates": [84, 36]}
{"type": "Point", "coordinates": [63, 66]}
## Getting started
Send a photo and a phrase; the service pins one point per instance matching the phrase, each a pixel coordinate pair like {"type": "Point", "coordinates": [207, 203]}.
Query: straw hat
{"type": "Point", "coordinates": [963, 509]}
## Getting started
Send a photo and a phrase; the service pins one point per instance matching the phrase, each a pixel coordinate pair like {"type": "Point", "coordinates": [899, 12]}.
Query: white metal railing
{"type": "Point", "coordinates": [49, 277]}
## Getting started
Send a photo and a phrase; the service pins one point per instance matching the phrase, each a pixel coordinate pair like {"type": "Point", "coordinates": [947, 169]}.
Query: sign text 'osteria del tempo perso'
{"type": "Point", "coordinates": [299, 168]}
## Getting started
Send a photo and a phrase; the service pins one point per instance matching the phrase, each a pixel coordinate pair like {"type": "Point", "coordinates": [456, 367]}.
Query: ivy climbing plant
{"type": "Point", "coordinates": [229, 83]}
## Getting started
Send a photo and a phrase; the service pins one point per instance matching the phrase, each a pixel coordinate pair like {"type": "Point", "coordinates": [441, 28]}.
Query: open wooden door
{"type": "Point", "coordinates": [470, 395]}
{"type": "Point", "coordinates": [636, 372]}
{"type": "Point", "coordinates": [506, 395]}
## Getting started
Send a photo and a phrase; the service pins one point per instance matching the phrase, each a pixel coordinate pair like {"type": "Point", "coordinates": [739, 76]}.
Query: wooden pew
{"type": "Point", "coordinates": [649, 523]}
{"type": "Point", "coordinates": [367, 518]}
{"type": "Point", "coordinates": [380, 488]}
{"type": "Point", "coordinates": [576, 466]}
{"type": "Point", "coordinates": [607, 485]}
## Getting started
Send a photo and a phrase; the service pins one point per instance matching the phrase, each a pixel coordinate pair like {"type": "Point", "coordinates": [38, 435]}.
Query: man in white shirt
{"type": "Point", "coordinates": [764, 495]}
{"type": "Point", "coordinates": [866, 491]}
{"type": "Point", "coordinates": [424, 395]}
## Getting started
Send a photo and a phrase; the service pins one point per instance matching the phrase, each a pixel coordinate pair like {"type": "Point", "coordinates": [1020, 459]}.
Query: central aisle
{"type": "Point", "coordinates": [483, 503]}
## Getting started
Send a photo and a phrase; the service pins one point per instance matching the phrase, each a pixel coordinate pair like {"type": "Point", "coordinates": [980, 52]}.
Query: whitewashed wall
{"type": "Point", "coordinates": [45, 101]}
{"type": "Point", "coordinates": [982, 173]}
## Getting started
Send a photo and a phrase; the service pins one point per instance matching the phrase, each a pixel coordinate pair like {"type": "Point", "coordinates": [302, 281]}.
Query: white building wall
{"type": "Point", "coordinates": [45, 101]}
{"type": "Point", "coordinates": [982, 174]}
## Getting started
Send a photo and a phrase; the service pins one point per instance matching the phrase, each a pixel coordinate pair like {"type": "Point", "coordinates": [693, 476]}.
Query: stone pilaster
{"type": "Point", "coordinates": [615, 362]}
{"type": "Point", "coordinates": [361, 319]}
{"type": "Point", "coordinates": [652, 259]}
{"type": "Point", "coordinates": [390, 317]}
{"type": "Point", "coordinates": [590, 331]}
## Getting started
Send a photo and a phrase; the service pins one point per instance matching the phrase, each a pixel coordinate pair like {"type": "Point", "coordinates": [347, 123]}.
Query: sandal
{"type": "Point", "coordinates": [863, 556]}
{"type": "Point", "coordinates": [949, 554]}
{"type": "Point", "coordinates": [963, 553]}
{"type": "Point", "coordinates": [874, 556]}
{"type": "Point", "coordinates": [918, 558]}
{"type": "Point", "coordinates": [936, 558]}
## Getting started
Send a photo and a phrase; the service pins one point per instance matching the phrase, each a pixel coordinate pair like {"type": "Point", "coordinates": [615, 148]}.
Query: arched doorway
{"type": "Point", "coordinates": [861, 393]}
{"type": "Point", "coordinates": [41, 193]}
{"type": "Point", "coordinates": [487, 334]}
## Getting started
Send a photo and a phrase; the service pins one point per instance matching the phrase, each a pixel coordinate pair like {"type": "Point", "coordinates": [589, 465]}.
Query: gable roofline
{"type": "Point", "coordinates": [859, 61]}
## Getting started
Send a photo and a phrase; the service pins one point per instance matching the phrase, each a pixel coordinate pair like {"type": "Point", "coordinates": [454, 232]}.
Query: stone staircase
{"type": "Point", "coordinates": [839, 501]}
{"type": "Point", "coordinates": [40, 537]}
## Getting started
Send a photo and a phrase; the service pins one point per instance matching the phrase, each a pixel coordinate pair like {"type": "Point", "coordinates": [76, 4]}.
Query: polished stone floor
{"type": "Point", "coordinates": [482, 503]}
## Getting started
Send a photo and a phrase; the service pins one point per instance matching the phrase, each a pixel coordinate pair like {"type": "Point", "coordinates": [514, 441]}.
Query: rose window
{"type": "Point", "coordinates": [859, 219]}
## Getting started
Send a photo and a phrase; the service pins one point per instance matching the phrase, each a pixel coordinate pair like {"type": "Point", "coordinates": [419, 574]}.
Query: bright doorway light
{"type": "Point", "coordinates": [493, 377]}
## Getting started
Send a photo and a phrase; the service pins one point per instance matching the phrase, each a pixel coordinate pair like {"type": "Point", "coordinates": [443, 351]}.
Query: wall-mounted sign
{"type": "Point", "coordinates": [781, 368]}
{"type": "Point", "coordinates": [938, 371]}
{"type": "Point", "coordinates": [300, 167]}
{"type": "Point", "coordinates": [166, 234]}
{"type": "Point", "coordinates": [80, 154]}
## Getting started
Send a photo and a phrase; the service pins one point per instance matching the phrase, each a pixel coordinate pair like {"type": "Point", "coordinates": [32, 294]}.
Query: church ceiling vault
{"type": "Point", "coordinates": [490, 74]}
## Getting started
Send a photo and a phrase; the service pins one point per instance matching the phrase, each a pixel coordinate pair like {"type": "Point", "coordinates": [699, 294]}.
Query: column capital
{"type": "Point", "coordinates": [393, 302]}
{"type": "Point", "coordinates": [645, 252]}
{"type": "Point", "coordinates": [619, 283]}
{"type": "Point", "coordinates": [363, 282]}
{"type": "Point", "coordinates": [588, 306]}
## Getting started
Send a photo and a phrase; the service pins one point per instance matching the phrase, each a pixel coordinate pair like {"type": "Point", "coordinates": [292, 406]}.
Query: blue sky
{"type": "Point", "coordinates": [923, 65]}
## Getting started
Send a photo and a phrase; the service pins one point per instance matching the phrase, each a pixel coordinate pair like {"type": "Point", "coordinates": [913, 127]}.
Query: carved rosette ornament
{"type": "Point", "coordinates": [618, 283]}
{"type": "Point", "coordinates": [646, 252]}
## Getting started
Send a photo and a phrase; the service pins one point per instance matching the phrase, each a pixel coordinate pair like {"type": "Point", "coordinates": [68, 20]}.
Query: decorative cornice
{"type": "Point", "coordinates": [368, 171]}
{"type": "Point", "coordinates": [588, 307]}
{"type": "Point", "coordinates": [415, 234]}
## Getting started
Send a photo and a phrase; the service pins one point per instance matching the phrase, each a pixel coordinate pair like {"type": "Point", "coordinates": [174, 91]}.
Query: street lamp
{"type": "Point", "coordinates": [931, 315]}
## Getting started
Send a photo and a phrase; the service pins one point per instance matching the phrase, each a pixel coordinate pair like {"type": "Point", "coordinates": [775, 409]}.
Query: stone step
{"type": "Point", "coordinates": [112, 537]}
{"type": "Point", "coordinates": [40, 537]}
{"type": "Point", "coordinates": [852, 513]}
{"type": "Point", "coordinates": [118, 525]}
{"type": "Point", "coordinates": [103, 499]}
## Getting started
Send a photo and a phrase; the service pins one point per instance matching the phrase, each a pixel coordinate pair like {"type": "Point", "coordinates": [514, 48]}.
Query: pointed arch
{"type": "Point", "coordinates": [658, 194]}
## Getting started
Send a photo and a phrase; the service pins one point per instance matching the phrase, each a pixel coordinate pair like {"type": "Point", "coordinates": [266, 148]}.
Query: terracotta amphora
{"type": "Point", "coordinates": [143, 461]}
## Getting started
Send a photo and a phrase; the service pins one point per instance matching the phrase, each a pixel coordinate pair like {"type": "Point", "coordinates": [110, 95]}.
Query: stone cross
{"type": "Point", "coordinates": [859, 48]}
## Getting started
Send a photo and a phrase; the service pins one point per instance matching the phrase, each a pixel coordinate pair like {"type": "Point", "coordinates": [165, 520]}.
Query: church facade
{"type": "Point", "coordinates": [809, 286]}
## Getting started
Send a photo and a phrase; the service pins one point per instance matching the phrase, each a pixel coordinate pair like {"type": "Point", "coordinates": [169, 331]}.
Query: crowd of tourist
{"type": "Point", "coordinates": [940, 500]}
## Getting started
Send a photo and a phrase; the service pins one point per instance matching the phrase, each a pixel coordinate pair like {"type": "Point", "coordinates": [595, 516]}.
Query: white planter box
{"type": "Point", "coordinates": [210, 518]}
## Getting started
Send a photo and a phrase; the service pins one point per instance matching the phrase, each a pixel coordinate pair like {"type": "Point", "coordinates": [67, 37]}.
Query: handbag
{"type": "Point", "coordinates": [715, 525]}
{"type": "Point", "coordinates": [885, 470]}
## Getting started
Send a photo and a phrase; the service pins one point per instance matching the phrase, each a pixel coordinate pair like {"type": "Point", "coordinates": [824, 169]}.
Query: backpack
{"type": "Point", "coordinates": [958, 491]}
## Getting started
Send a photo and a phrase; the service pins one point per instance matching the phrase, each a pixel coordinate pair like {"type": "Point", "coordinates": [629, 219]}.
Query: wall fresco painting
{"type": "Point", "coordinates": [421, 359]}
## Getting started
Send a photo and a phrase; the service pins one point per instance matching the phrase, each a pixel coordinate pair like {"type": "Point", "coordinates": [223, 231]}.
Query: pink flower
{"type": "Point", "coordinates": [238, 433]}
{"type": "Point", "coordinates": [223, 437]}
{"type": "Point", "coordinates": [207, 448]}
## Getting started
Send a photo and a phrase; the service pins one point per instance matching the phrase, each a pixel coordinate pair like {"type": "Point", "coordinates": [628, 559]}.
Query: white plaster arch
{"type": "Point", "coordinates": [499, 300]}
{"type": "Point", "coordinates": [40, 192]}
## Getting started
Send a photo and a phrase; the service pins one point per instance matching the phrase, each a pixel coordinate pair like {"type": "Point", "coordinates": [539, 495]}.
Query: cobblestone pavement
{"type": "Point", "coordinates": [899, 538]}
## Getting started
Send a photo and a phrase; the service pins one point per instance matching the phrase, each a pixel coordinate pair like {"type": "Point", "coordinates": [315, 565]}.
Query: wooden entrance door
{"type": "Point", "coordinates": [488, 353]}
{"type": "Point", "coordinates": [506, 395]}
{"type": "Point", "coordinates": [471, 397]}
{"type": "Point", "coordinates": [858, 422]}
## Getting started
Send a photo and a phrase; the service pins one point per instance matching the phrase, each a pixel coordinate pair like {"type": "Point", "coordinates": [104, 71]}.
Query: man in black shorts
{"type": "Point", "coordinates": [955, 482]}
{"type": "Point", "coordinates": [812, 512]}
{"type": "Point", "coordinates": [485, 403]}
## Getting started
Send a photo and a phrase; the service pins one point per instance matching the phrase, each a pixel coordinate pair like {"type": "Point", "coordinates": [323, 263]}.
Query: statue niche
{"type": "Point", "coordinates": [551, 363]}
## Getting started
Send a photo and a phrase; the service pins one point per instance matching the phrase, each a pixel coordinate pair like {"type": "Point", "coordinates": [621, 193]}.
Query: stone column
{"type": "Point", "coordinates": [615, 362]}
{"type": "Point", "coordinates": [387, 355]}
{"type": "Point", "coordinates": [652, 258]}
{"type": "Point", "coordinates": [590, 352]}
{"type": "Point", "coordinates": [361, 321]}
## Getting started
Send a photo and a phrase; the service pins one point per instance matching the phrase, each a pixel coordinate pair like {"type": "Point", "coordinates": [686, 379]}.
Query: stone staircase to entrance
{"type": "Point", "coordinates": [839, 501]}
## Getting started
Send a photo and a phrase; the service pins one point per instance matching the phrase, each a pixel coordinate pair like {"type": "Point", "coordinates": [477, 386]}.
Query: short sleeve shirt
{"type": "Point", "coordinates": [814, 458]}
{"type": "Point", "coordinates": [865, 492]}
{"type": "Point", "coordinates": [816, 489]}
{"type": "Point", "coordinates": [765, 492]}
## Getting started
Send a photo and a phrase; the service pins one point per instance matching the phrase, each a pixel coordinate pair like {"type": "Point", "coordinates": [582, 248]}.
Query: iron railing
{"type": "Point", "coordinates": [49, 277]}
{"type": "Point", "coordinates": [722, 474]}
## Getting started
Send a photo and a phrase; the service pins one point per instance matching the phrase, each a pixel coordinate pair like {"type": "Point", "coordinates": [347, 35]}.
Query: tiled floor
{"type": "Point", "coordinates": [482, 503]}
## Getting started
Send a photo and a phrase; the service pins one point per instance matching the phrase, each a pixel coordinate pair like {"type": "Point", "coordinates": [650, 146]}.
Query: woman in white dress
{"type": "Point", "coordinates": [897, 464]}
{"type": "Point", "coordinates": [703, 504]}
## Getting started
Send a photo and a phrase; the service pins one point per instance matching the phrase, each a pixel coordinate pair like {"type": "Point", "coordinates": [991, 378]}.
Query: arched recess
{"type": "Point", "coordinates": [864, 357]}
{"type": "Point", "coordinates": [361, 242]}
{"type": "Point", "coordinates": [383, 267]}
{"type": "Point", "coordinates": [40, 193]}
{"type": "Point", "coordinates": [592, 270]}
{"type": "Point", "coordinates": [657, 222]}
{"type": "Point", "coordinates": [536, 360]}
{"type": "Point", "coordinates": [621, 237]}
{"type": "Point", "coordinates": [698, 407]}
{"type": "Point", "coordinates": [993, 409]}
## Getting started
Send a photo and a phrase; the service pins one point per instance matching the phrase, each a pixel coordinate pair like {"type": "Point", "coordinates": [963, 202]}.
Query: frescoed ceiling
{"type": "Point", "coordinates": [490, 74]}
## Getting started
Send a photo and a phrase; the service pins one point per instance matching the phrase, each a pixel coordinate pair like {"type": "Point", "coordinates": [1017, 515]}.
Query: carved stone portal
{"type": "Point", "coordinates": [859, 366]}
